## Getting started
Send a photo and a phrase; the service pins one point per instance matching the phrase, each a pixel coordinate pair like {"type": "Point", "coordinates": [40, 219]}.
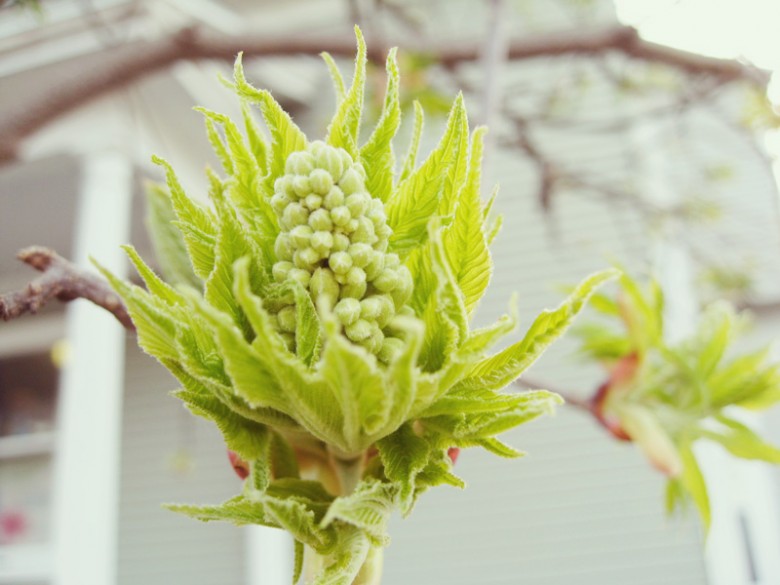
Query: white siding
{"type": "Point", "coordinates": [158, 547]}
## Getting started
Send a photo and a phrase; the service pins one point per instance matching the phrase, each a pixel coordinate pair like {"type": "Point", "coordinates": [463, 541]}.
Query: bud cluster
{"type": "Point", "coordinates": [333, 240]}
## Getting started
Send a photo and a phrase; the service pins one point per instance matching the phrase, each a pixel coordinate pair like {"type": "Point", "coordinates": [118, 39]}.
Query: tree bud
{"type": "Point", "coordinates": [356, 276]}
{"type": "Point", "coordinates": [351, 182]}
{"type": "Point", "coordinates": [321, 181]}
{"type": "Point", "coordinates": [320, 221]}
{"type": "Point", "coordinates": [240, 466]}
{"type": "Point", "coordinates": [340, 262]}
{"type": "Point", "coordinates": [322, 242]}
{"type": "Point", "coordinates": [390, 350]}
{"type": "Point", "coordinates": [299, 163]}
{"type": "Point", "coordinates": [387, 281]}
{"type": "Point", "coordinates": [375, 266]}
{"type": "Point", "coordinates": [340, 215]}
{"type": "Point", "coordinates": [287, 319]}
{"type": "Point", "coordinates": [323, 284]}
{"type": "Point", "coordinates": [355, 291]}
{"type": "Point", "coordinates": [357, 203]}
{"type": "Point", "coordinates": [374, 342]}
{"type": "Point", "coordinates": [348, 311]}
{"type": "Point", "coordinates": [340, 242]}
{"type": "Point", "coordinates": [294, 214]}
{"type": "Point", "coordinates": [328, 159]}
{"type": "Point", "coordinates": [301, 275]}
{"type": "Point", "coordinates": [313, 202]}
{"type": "Point", "coordinates": [359, 330]}
{"type": "Point", "coordinates": [301, 186]}
{"type": "Point", "coordinates": [334, 198]}
{"type": "Point", "coordinates": [306, 257]}
{"type": "Point", "coordinates": [283, 247]}
{"type": "Point", "coordinates": [279, 201]}
{"type": "Point", "coordinates": [301, 236]}
{"type": "Point", "coordinates": [281, 269]}
{"type": "Point", "coordinates": [361, 254]}
{"type": "Point", "coordinates": [364, 233]}
{"type": "Point", "coordinates": [370, 307]}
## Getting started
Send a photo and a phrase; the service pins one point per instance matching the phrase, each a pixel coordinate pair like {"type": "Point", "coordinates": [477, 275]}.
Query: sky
{"type": "Point", "coordinates": [748, 29]}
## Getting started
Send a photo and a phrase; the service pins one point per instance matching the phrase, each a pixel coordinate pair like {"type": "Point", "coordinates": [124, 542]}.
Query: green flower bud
{"type": "Point", "coordinates": [348, 311]}
{"type": "Point", "coordinates": [299, 163]}
{"type": "Point", "coordinates": [351, 182]}
{"type": "Point", "coordinates": [294, 214]}
{"type": "Point", "coordinates": [355, 291]}
{"type": "Point", "coordinates": [301, 275]}
{"type": "Point", "coordinates": [361, 171]}
{"type": "Point", "coordinates": [370, 308]}
{"type": "Point", "coordinates": [359, 330]}
{"type": "Point", "coordinates": [320, 221]}
{"type": "Point", "coordinates": [306, 258]}
{"type": "Point", "coordinates": [322, 242]}
{"type": "Point", "coordinates": [376, 213]}
{"type": "Point", "coordinates": [283, 247]}
{"type": "Point", "coordinates": [351, 226]}
{"type": "Point", "coordinates": [281, 269]}
{"type": "Point", "coordinates": [280, 184]}
{"type": "Point", "coordinates": [386, 310]}
{"type": "Point", "coordinates": [340, 262]}
{"type": "Point", "coordinates": [301, 236]}
{"type": "Point", "coordinates": [340, 242]}
{"type": "Point", "coordinates": [374, 342]}
{"type": "Point", "coordinates": [361, 254]}
{"type": "Point", "coordinates": [301, 186]}
{"type": "Point", "coordinates": [323, 284]}
{"type": "Point", "coordinates": [387, 281]}
{"type": "Point", "coordinates": [390, 350]}
{"type": "Point", "coordinates": [340, 215]}
{"type": "Point", "coordinates": [375, 266]}
{"type": "Point", "coordinates": [287, 319]}
{"type": "Point", "coordinates": [279, 201]}
{"type": "Point", "coordinates": [384, 232]}
{"type": "Point", "coordinates": [392, 261]}
{"type": "Point", "coordinates": [334, 198]}
{"type": "Point", "coordinates": [357, 203]}
{"type": "Point", "coordinates": [328, 159]}
{"type": "Point", "coordinates": [364, 232]}
{"type": "Point", "coordinates": [321, 181]}
{"type": "Point", "coordinates": [313, 202]}
{"type": "Point", "coordinates": [356, 276]}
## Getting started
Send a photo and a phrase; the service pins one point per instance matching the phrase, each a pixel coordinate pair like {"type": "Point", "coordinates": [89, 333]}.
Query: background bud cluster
{"type": "Point", "coordinates": [333, 240]}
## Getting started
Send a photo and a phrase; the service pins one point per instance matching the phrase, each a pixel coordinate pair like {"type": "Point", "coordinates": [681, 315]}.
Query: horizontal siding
{"type": "Point", "coordinates": [158, 547]}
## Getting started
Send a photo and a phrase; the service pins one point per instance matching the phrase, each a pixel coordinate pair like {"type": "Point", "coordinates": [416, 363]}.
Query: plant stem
{"type": "Point", "coordinates": [370, 573]}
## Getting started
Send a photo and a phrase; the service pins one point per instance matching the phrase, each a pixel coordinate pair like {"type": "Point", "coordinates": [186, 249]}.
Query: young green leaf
{"type": "Point", "coordinates": [344, 129]}
{"type": "Point", "coordinates": [499, 370]}
{"type": "Point", "coordinates": [377, 154]}
{"type": "Point", "coordinates": [167, 241]}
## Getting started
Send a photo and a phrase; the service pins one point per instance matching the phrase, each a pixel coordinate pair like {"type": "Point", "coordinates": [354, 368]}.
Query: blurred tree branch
{"type": "Point", "coordinates": [132, 61]}
{"type": "Point", "coordinates": [64, 281]}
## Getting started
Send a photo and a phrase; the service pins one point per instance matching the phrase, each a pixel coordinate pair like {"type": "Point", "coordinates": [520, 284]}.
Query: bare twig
{"type": "Point", "coordinates": [61, 280]}
{"type": "Point", "coordinates": [570, 399]}
{"type": "Point", "coordinates": [131, 61]}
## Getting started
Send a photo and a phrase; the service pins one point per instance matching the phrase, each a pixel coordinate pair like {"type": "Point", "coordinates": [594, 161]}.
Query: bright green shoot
{"type": "Point", "coordinates": [318, 313]}
{"type": "Point", "coordinates": [665, 397]}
